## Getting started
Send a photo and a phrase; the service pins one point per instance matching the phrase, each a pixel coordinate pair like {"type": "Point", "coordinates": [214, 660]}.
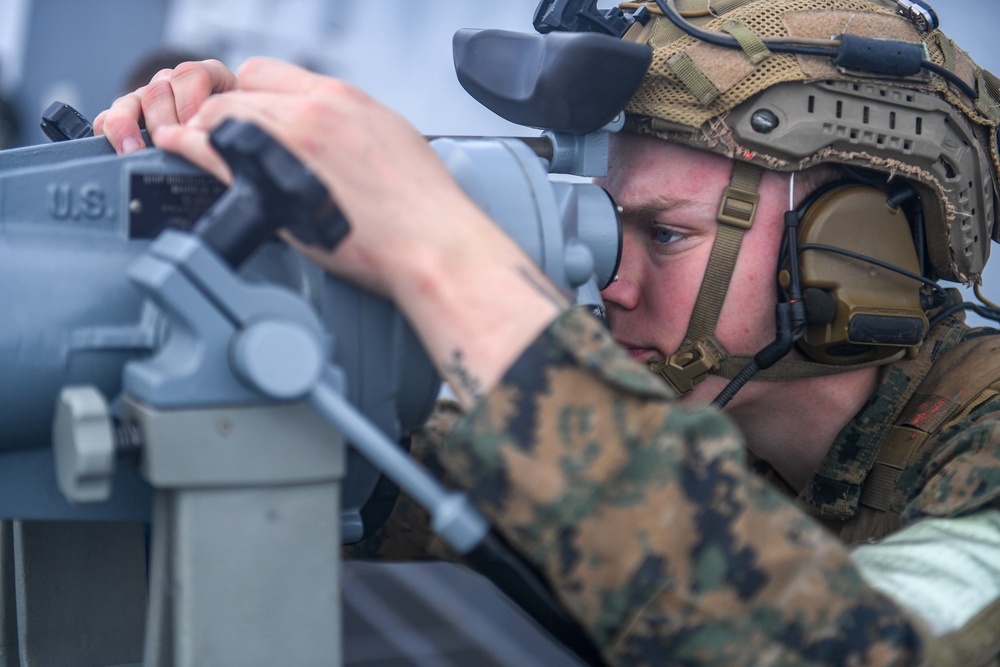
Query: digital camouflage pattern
{"type": "Point", "coordinates": [656, 535]}
{"type": "Point", "coordinates": [648, 525]}
{"type": "Point", "coordinates": [955, 471]}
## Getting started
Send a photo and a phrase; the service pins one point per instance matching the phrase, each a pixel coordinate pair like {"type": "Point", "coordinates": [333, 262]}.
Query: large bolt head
{"type": "Point", "coordinates": [281, 359]}
{"type": "Point", "coordinates": [84, 445]}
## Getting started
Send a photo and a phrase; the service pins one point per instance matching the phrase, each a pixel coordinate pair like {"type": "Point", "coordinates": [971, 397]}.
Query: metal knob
{"type": "Point", "coordinates": [85, 441]}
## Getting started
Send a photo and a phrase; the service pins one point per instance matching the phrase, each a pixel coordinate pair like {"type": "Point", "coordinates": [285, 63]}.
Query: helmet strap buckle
{"type": "Point", "coordinates": [683, 370]}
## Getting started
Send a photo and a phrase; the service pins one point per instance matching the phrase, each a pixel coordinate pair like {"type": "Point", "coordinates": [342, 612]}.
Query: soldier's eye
{"type": "Point", "coordinates": [665, 235]}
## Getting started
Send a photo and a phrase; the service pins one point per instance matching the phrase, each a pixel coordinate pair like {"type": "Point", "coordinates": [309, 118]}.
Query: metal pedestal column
{"type": "Point", "coordinates": [246, 541]}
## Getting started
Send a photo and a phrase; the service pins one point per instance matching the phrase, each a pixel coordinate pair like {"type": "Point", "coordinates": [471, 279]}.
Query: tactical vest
{"type": "Point", "coordinates": [959, 381]}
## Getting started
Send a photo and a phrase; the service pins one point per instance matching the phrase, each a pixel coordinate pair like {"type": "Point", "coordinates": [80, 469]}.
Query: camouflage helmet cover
{"type": "Point", "coordinates": [788, 112]}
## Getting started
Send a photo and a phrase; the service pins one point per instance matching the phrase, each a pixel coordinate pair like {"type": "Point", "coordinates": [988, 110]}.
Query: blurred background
{"type": "Point", "coordinates": [85, 52]}
{"type": "Point", "coordinates": [89, 52]}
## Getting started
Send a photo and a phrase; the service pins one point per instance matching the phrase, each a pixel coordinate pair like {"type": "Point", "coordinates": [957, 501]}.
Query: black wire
{"type": "Point", "coordinates": [951, 77]}
{"type": "Point", "coordinates": [741, 378]}
{"type": "Point", "coordinates": [916, 217]}
{"type": "Point", "coordinates": [694, 31]}
{"type": "Point", "coordinates": [982, 311]}
{"type": "Point", "coordinates": [913, 206]}
{"type": "Point", "coordinates": [730, 42]}
{"type": "Point", "coordinates": [789, 316]}
{"type": "Point", "coordinates": [864, 176]}
{"type": "Point", "coordinates": [871, 260]}
{"type": "Point", "coordinates": [798, 49]}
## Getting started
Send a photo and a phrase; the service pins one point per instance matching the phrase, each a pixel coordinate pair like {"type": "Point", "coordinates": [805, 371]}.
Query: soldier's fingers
{"type": "Point", "coordinates": [191, 140]}
{"type": "Point", "coordinates": [173, 96]}
{"type": "Point", "coordinates": [120, 124]}
{"type": "Point", "coordinates": [159, 107]}
{"type": "Point", "coordinates": [265, 74]}
{"type": "Point", "coordinates": [192, 144]}
{"type": "Point", "coordinates": [162, 74]}
{"type": "Point", "coordinates": [193, 82]}
{"type": "Point", "coordinates": [260, 108]}
{"type": "Point", "coordinates": [291, 120]}
{"type": "Point", "coordinates": [121, 120]}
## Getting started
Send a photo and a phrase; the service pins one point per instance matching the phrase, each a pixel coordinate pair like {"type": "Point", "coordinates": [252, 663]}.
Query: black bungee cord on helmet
{"type": "Point", "coordinates": [887, 57]}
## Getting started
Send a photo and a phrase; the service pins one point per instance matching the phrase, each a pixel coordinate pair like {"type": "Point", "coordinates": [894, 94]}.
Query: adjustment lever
{"type": "Point", "coordinates": [271, 189]}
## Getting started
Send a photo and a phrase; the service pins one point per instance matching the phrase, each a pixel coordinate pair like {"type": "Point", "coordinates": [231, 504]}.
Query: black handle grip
{"type": "Point", "coordinates": [271, 189]}
{"type": "Point", "coordinates": [61, 122]}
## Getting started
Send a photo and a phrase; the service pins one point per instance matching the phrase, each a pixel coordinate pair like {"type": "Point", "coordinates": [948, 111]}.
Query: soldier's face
{"type": "Point", "coordinates": [670, 195]}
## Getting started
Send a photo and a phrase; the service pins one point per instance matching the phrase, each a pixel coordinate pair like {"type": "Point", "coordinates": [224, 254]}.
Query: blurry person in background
{"type": "Point", "coordinates": [165, 58]}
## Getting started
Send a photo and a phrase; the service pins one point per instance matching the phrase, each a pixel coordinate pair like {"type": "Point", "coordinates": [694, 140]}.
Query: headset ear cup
{"type": "Point", "coordinates": [857, 311]}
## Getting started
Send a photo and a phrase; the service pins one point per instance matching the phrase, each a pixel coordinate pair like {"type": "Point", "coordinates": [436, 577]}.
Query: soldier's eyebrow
{"type": "Point", "coordinates": [664, 204]}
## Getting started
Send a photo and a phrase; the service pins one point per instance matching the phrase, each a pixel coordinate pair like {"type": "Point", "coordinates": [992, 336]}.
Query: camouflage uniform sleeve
{"type": "Point", "coordinates": [648, 526]}
{"type": "Point", "coordinates": [406, 534]}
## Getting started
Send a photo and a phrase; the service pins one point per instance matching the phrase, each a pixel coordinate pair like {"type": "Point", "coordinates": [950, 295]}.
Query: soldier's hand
{"type": "Point", "coordinates": [172, 96]}
{"type": "Point", "coordinates": [470, 291]}
{"type": "Point", "coordinates": [390, 185]}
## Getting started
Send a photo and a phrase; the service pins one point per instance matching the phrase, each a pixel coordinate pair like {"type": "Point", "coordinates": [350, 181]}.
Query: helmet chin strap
{"type": "Point", "coordinates": [700, 353]}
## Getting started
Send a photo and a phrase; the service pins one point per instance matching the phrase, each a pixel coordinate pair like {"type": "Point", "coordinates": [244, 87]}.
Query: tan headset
{"type": "Point", "coordinates": [857, 308]}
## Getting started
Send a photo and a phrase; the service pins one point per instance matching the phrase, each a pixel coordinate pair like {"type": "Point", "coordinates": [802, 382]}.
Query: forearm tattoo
{"type": "Point", "coordinates": [462, 379]}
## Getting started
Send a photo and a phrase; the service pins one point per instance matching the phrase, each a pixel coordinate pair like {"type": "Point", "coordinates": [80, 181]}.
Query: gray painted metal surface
{"type": "Point", "coordinates": [247, 523]}
{"type": "Point", "coordinates": [80, 589]}
{"type": "Point", "coordinates": [246, 538]}
{"type": "Point", "coordinates": [405, 614]}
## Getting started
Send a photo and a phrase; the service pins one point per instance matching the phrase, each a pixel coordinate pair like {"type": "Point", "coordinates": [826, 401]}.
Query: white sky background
{"type": "Point", "coordinates": [399, 51]}
{"type": "Point", "coordinates": [13, 25]}
{"type": "Point", "coordinates": [975, 26]}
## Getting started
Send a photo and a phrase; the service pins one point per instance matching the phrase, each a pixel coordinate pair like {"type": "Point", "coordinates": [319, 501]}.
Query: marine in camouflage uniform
{"type": "Point", "coordinates": [655, 527]}
{"type": "Point", "coordinates": [667, 547]}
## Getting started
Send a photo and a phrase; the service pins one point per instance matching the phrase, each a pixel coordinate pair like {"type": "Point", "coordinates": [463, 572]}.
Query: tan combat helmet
{"type": "Point", "coordinates": [789, 84]}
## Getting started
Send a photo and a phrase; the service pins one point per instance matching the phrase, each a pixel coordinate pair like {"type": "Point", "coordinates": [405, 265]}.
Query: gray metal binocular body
{"type": "Point", "coordinates": [74, 217]}
{"type": "Point", "coordinates": [229, 357]}
{"type": "Point", "coordinates": [219, 369]}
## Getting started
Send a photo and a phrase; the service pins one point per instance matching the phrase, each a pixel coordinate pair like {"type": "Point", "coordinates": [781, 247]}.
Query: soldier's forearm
{"type": "Point", "coordinates": [650, 528]}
